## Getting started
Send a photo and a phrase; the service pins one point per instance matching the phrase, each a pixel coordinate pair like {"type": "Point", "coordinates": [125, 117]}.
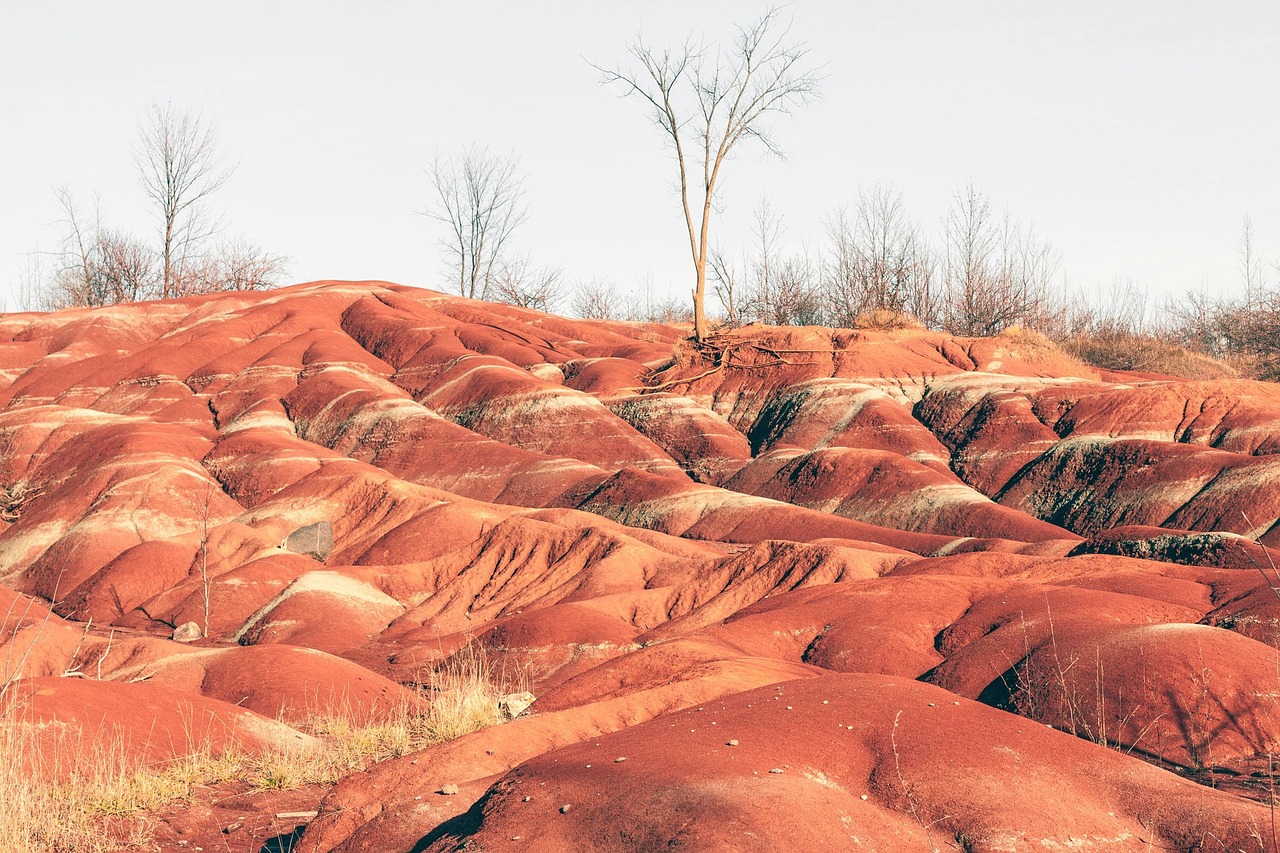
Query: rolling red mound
{"type": "Point", "coordinates": [943, 585]}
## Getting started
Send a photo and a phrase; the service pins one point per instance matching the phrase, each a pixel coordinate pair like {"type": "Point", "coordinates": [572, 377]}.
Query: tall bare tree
{"type": "Point", "coordinates": [480, 200]}
{"type": "Point", "coordinates": [179, 167]}
{"type": "Point", "coordinates": [706, 101]}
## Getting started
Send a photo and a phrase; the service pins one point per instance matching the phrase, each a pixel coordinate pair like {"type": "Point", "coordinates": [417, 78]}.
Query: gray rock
{"type": "Point", "coordinates": [515, 704]}
{"type": "Point", "coordinates": [314, 540]}
{"type": "Point", "coordinates": [187, 632]}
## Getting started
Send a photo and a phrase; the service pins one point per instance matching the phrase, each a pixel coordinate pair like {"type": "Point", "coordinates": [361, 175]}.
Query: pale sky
{"type": "Point", "coordinates": [1135, 135]}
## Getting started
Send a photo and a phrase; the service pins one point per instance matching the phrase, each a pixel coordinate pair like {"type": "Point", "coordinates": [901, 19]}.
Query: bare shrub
{"type": "Point", "coordinates": [878, 260]}
{"type": "Point", "coordinates": [518, 282]}
{"type": "Point", "coordinates": [996, 273]}
{"type": "Point", "coordinates": [767, 285]}
{"type": "Point", "coordinates": [598, 299]}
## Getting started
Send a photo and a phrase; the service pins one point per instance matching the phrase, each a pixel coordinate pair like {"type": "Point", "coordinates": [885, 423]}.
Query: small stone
{"type": "Point", "coordinates": [788, 707]}
{"type": "Point", "coordinates": [619, 759]}
{"type": "Point", "coordinates": [733, 742]}
{"type": "Point", "coordinates": [863, 797]}
{"type": "Point", "coordinates": [227, 830]}
{"type": "Point", "coordinates": [565, 808]}
{"type": "Point", "coordinates": [448, 790]}
{"type": "Point", "coordinates": [931, 705]}
{"type": "Point", "coordinates": [824, 702]}
{"type": "Point", "coordinates": [514, 704]}
{"type": "Point", "coordinates": [526, 799]}
{"type": "Point", "coordinates": [776, 770]}
{"type": "Point", "coordinates": [187, 632]}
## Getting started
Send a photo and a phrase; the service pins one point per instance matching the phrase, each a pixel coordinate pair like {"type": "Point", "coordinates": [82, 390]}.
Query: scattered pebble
{"type": "Point", "coordinates": [565, 808]}
{"type": "Point", "coordinates": [619, 759]}
{"type": "Point", "coordinates": [788, 707]}
{"type": "Point", "coordinates": [733, 742]}
{"type": "Point", "coordinates": [227, 830]}
{"type": "Point", "coordinates": [776, 770]}
{"type": "Point", "coordinates": [931, 705]}
{"type": "Point", "coordinates": [526, 799]}
{"type": "Point", "coordinates": [824, 701]}
{"type": "Point", "coordinates": [588, 766]}
{"type": "Point", "coordinates": [863, 797]}
{"type": "Point", "coordinates": [448, 790]}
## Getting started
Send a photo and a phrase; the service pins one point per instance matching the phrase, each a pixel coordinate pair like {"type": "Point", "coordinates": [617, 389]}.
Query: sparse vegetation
{"type": "Point", "coordinates": [179, 168]}
{"type": "Point", "coordinates": [104, 801]}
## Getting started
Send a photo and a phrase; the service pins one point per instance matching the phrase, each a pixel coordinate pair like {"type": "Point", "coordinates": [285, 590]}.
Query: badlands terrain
{"type": "Point", "coordinates": [797, 589]}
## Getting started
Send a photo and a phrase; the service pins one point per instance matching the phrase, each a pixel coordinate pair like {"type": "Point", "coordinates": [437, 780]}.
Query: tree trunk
{"type": "Point", "coordinates": [699, 304]}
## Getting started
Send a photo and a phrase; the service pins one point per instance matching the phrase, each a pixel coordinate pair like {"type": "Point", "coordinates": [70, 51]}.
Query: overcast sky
{"type": "Point", "coordinates": [1135, 135]}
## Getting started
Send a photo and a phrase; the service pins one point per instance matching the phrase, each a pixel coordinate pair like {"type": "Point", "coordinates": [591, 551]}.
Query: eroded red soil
{"type": "Point", "coordinates": [800, 589]}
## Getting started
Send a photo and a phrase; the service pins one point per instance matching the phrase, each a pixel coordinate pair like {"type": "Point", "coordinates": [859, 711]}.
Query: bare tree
{"type": "Point", "coordinates": [996, 274]}
{"type": "Point", "coordinates": [878, 261]}
{"type": "Point", "coordinates": [706, 102]}
{"type": "Point", "coordinates": [518, 282]}
{"type": "Point", "coordinates": [769, 286]}
{"type": "Point", "coordinates": [97, 266]}
{"type": "Point", "coordinates": [480, 200]}
{"type": "Point", "coordinates": [179, 168]}
{"type": "Point", "coordinates": [728, 286]}
{"type": "Point", "coordinates": [1250, 264]}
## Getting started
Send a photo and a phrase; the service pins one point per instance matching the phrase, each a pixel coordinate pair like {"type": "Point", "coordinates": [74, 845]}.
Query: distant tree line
{"type": "Point", "coordinates": [179, 169]}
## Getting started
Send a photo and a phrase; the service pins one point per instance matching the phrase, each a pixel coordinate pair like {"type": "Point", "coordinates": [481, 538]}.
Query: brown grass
{"type": "Point", "coordinates": [1145, 354]}
{"type": "Point", "coordinates": [106, 801]}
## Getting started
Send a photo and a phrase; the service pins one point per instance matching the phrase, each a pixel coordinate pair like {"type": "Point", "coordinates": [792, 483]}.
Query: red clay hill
{"type": "Point", "coordinates": [795, 588]}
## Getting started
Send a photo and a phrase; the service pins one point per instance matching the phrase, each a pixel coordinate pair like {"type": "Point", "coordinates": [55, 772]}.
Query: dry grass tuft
{"type": "Point", "coordinates": [104, 803]}
{"type": "Point", "coordinates": [1145, 354]}
{"type": "Point", "coordinates": [886, 320]}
